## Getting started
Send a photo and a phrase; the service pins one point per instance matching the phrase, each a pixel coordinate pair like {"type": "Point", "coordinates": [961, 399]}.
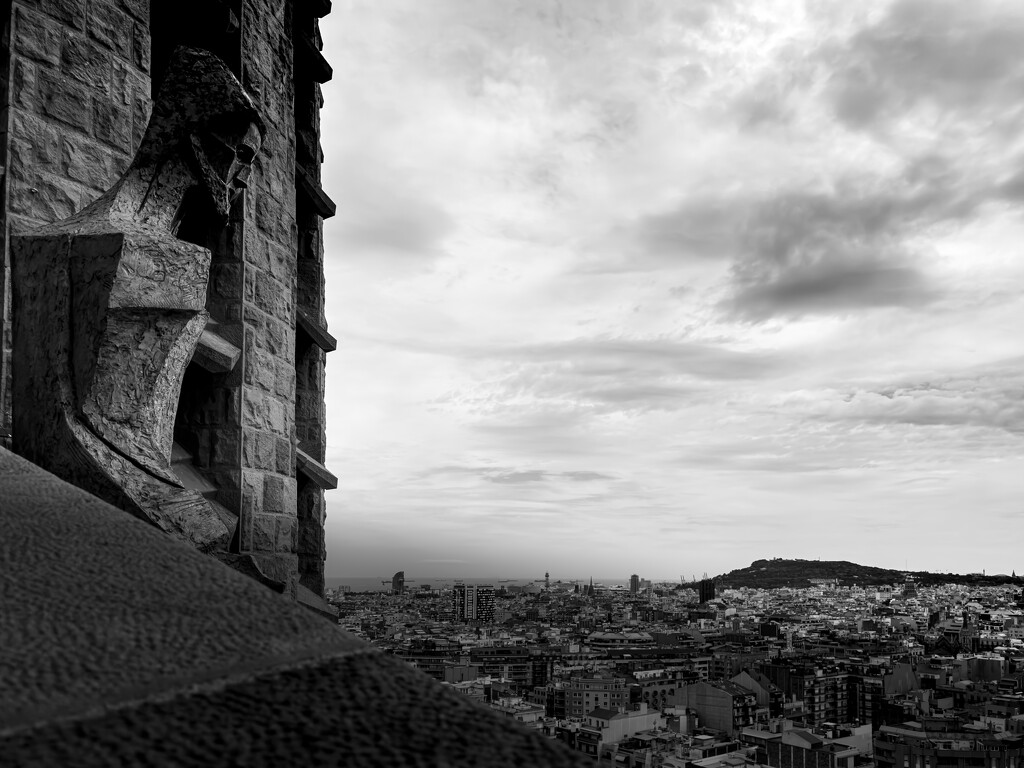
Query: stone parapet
{"type": "Point", "coordinates": [125, 647]}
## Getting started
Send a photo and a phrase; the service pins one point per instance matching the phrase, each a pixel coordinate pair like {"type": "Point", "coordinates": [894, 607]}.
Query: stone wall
{"type": "Point", "coordinates": [268, 524]}
{"type": "Point", "coordinates": [79, 74]}
{"type": "Point", "coordinates": [76, 104]}
{"type": "Point", "coordinates": [312, 342]}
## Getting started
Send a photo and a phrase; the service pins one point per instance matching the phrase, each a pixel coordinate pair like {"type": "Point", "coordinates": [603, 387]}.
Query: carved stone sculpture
{"type": "Point", "coordinates": [109, 304]}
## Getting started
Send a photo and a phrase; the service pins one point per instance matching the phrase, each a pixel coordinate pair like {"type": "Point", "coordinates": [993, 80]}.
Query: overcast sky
{"type": "Point", "coordinates": [666, 287]}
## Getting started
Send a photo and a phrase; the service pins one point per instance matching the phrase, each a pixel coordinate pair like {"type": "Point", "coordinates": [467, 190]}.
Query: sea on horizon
{"type": "Point", "coordinates": [383, 583]}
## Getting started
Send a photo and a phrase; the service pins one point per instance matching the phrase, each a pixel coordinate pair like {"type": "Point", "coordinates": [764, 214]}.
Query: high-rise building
{"type": "Point", "coordinates": [634, 584]}
{"type": "Point", "coordinates": [473, 602]}
{"type": "Point", "coordinates": [398, 583]}
{"type": "Point", "coordinates": [706, 590]}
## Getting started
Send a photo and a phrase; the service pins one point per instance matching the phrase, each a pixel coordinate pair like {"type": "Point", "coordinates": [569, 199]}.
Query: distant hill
{"type": "Point", "coordinates": [772, 574]}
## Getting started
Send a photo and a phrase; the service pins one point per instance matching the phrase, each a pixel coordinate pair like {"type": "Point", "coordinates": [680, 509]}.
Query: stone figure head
{"type": "Point", "coordinates": [202, 112]}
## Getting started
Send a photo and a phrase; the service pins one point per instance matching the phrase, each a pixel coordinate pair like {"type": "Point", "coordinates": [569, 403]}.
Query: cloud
{"type": "Point", "coordinates": [561, 385]}
{"type": "Point", "coordinates": [950, 55]}
{"type": "Point", "coordinates": [604, 265]}
{"type": "Point", "coordinates": [985, 396]}
{"type": "Point", "coordinates": [528, 476]}
{"type": "Point", "coordinates": [804, 253]}
{"type": "Point", "coordinates": [607, 356]}
{"type": "Point", "coordinates": [584, 477]}
{"type": "Point", "coordinates": [392, 224]}
{"type": "Point", "coordinates": [505, 475]}
{"type": "Point", "coordinates": [829, 288]}
{"type": "Point", "coordinates": [699, 228]}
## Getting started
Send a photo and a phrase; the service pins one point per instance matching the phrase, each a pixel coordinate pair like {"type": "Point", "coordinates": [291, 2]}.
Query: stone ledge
{"type": "Point", "coordinates": [123, 646]}
{"type": "Point", "coordinates": [315, 331]}
{"type": "Point", "coordinates": [322, 205]}
{"type": "Point", "coordinates": [314, 471]}
{"type": "Point", "coordinates": [102, 608]}
{"type": "Point", "coordinates": [359, 711]}
{"type": "Point", "coordinates": [215, 353]}
{"type": "Point", "coordinates": [313, 62]}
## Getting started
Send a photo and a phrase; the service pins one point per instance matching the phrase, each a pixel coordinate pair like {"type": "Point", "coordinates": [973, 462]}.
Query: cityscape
{"type": "Point", "coordinates": [702, 674]}
{"type": "Point", "coordinates": [396, 383]}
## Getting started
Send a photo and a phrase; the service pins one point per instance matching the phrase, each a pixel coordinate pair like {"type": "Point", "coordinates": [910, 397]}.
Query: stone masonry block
{"type": "Point", "coordinates": [128, 83]}
{"type": "Point", "coordinates": [65, 100]}
{"type": "Point", "coordinates": [44, 197]}
{"type": "Point", "coordinates": [310, 539]}
{"type": "Point", "coordinates": [36, 36]}
{"type": "Point", "coordinates": [137, 9]}
{"type": "Point", "coordinates": [285, 455]}
{"type": "Point", "coordinates": [287, 231]}
{"type": "Point", "coordinates": [141, 108]}
{"type": "Point", "coordinates": [310, 504]}
{"type": "Point", "coordinates": [300, 374]}
{"type": "Point", "coordinates": [282, 264]}
{"type": "Point", "coordinates": [70, 12]}
{"type": "Point", "coordinates": [284, 381]}
{"type": "Point", "coordinates": [265, 451]}
{"type": "Point", "coordinates": [252, 491]}
{"type": "Point", "coordinates": [86, 162]}
{"type": "Point", "coordinates": [226, 279]}
{"type": "Point", "coordinates": [227, 407]}
{"type": "Point", "coordinates": [112, 125]}
{"type": "Point", "coordinates": [255, 410]}
{"type": "Point", "coordinates": [225, 446]}
{"type": "Point", "coordinates": [310, 285]}
{"type": "Point", "coordinates": [259, 369]}
{"type": "Point", "coordinates": [276, 337]}
{"type": "Point", "coordinates": [264, 213]}
{"type": "Point", "coordinates": [286, 534]}
{"type": "Point", "coordinates": [111, 27]}
{"type": "Point", "coordinates": [264, 533]}
{"type": "Point", "coordinates": [141, 47]}
{"type": "Point", "coordinates": [256, 247]}
{"type": "Point", "coordinates": [231, 312]}
{"type": "Point", "coordinates": [86, 62]}
{"type": "Point", "coordinates": [228, 479]}
{"type": "Point", "coordinates": [249, 287]}
{"type": "Point", "coordinates": [277, 418]}
{"type": "Point", "coordinates": [273, 494]}
{"type": "Point", "coordinates": [245, 533]}
{"type": "Point", "coordinates": [24, 85]}
{"type": "Point", "coordinates": [308, 405]}
{"type": "Point", "coordinates": [271, 296]}
{"type": "Point", "coordinates": [254, 84]}
{"type": "Point", "coordinates": [37, 141]}
{"type": "Point", "coordinates": [204, 449]}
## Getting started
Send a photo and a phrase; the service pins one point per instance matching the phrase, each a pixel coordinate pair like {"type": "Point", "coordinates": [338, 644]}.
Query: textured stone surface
{"type": "Point", "coordinates": [79, 74]}
{"type": "Point", "coordinates": [124, 647]}
{"type": "Point", "coordinates": [73, 119]}
{"type": "Point", "coordinates": [111, 304]}
{"type": "Point", "coordinates": [312, 339]}
{"type": "Point", "coordinates": [360, 711]}
{"type": "Point", "coordinates": [98, 608]}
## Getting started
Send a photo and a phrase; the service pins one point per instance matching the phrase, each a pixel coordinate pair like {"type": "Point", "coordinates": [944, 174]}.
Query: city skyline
{"type": "Point", "coordinates": [628, 283]}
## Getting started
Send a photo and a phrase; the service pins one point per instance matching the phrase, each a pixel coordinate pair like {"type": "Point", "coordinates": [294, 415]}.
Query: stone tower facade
{"type": "Point", "coordinates": [76, 92]}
